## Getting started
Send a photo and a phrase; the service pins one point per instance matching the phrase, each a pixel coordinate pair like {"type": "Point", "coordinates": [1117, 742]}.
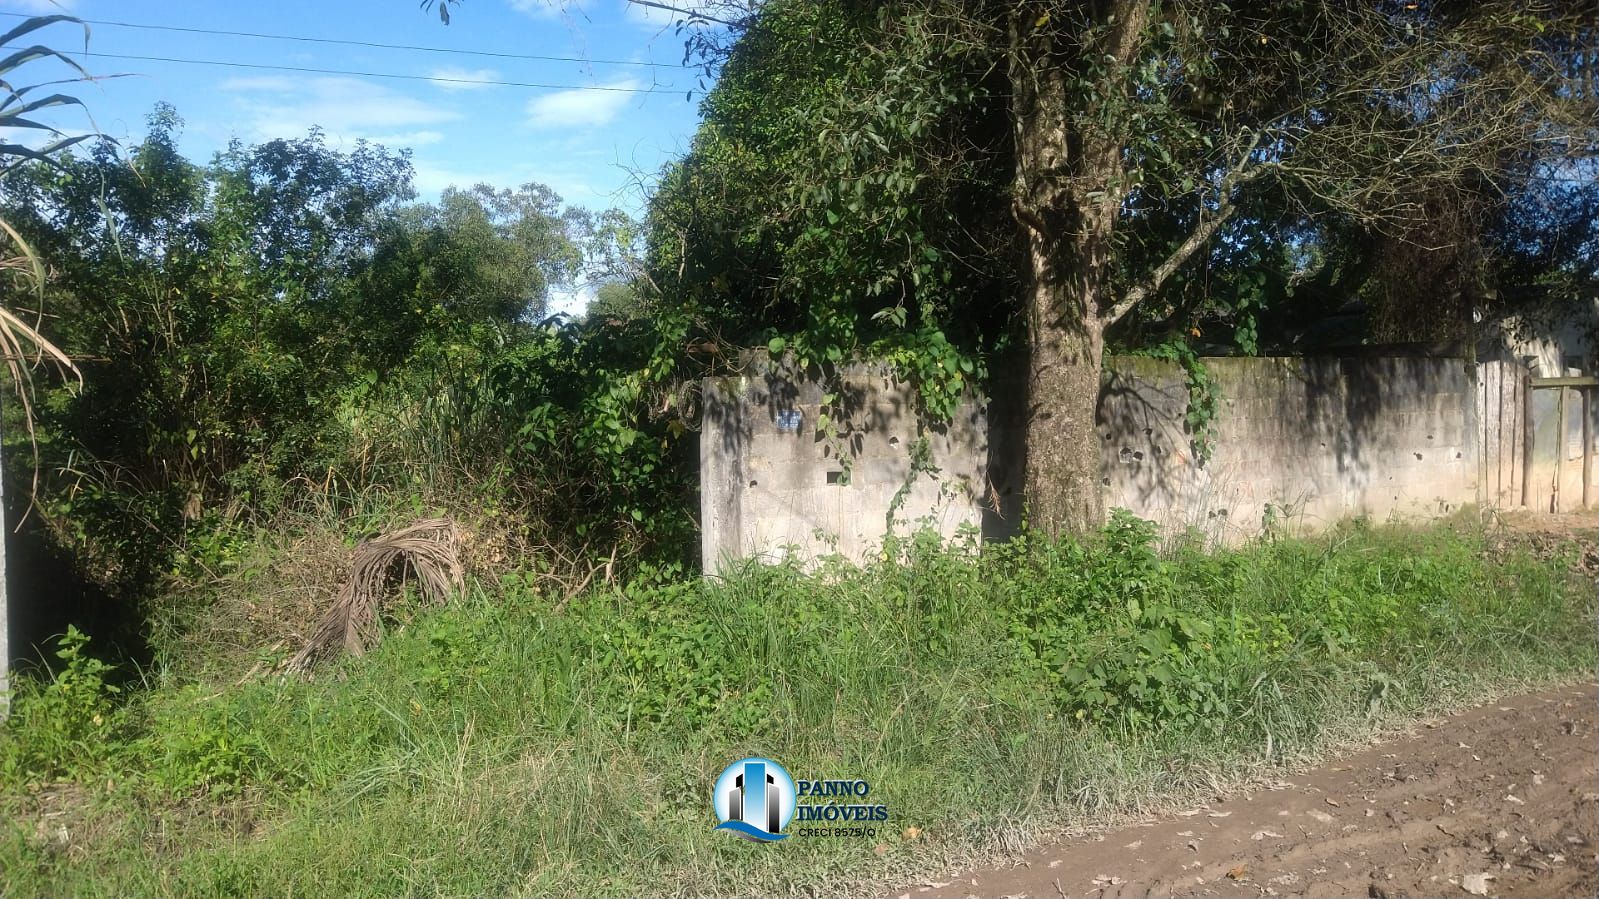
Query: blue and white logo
{"type": "Point", "coordinates": [755, 799]}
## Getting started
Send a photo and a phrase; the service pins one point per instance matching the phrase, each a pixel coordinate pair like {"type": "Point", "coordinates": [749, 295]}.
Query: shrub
{"type": "Point", "coordinates": [66, 727]}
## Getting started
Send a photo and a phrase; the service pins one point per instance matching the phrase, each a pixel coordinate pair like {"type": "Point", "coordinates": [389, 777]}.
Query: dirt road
{"type": "Point", "coordinates": [1499, 801]}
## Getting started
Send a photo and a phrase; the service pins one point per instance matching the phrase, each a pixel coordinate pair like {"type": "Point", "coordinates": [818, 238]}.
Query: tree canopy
{"type": "Point", "coordinates": [288, 312]}
{"type": "Point", "coordinates": [1059, 175]}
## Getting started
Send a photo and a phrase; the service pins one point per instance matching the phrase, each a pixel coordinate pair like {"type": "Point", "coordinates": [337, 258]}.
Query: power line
{"type": "Point", "coordinates": [396, 75]}
{"type": "Point", "coordinates": [371, 44]}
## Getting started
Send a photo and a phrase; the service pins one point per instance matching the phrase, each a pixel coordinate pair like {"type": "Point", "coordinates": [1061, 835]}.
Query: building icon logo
{"type": "Point", "coordinates": [755, 799]}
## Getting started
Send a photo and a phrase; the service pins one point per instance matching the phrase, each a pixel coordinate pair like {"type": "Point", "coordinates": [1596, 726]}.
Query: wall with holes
{"type": "Point", "coordinates": [778, 480]}
{"type": "Point", "coordinates": [1297, 444]}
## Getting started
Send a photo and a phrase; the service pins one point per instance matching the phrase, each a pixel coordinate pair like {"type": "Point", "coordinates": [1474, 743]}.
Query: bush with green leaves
{"type": "Point", "coordinates": [66, 727]}
{"type": "Point", "coordinates": [282, 329]}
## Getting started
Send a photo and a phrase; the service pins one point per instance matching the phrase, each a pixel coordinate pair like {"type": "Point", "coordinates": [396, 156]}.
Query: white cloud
{"type": "Point", "coordinates": [27, 137]}
{"type": "Point", "coordinates": [572, 183]}
{"type": "Point", "coordinates": [407, 138]}
{"type": "Point", "coordinates": [581, 107]}
{"type": "Point", "coordinates": [347, 109]}
{"type": "Point", "coordinates": [648, 16]}
{"type": "Point", "coordinates": [550, 9]}
{"type": "Point", "coordinates": [573, 301]}
{"type": "Point", "coordinates": [39, 7]}
{"type": "Point", "coordinates": [280, 83]}
{"type": "Point", "coordinates": [451, 78]}
{"type": "Point", "coordinates": [431, 180]}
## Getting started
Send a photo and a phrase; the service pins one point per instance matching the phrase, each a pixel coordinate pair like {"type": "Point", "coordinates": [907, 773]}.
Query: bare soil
{"type": "Point", "coordinates": [1571, 537]}
{"type": "Point", "coordinates": [1563, 524]}
{"type": "Point", "coordinates": [1502, 800]}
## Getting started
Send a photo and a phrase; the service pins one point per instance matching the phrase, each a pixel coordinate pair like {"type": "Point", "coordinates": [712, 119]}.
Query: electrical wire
{"type": "Point", "coordinates": [370, 44]}
{"type": "Point", "coordinates": [395, 75]}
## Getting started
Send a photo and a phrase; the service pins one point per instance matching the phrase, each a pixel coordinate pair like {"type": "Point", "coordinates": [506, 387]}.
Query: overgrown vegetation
{"type": "Point", "coordinates": [284, 353]}
{"type": "Point", "coordinates": [515, 744]}
{"type": "Point", "coordinates": [1054, 177]}
{"type": "Point", "coordinates": [283, 336]}
{"type": "Point", "coordinates": [282, 341]}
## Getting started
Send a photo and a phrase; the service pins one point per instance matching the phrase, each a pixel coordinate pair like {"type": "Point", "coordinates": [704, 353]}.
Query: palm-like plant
{"type": "Point", "coordinates": [22, 272]}
{"type": "Point", "coordinates": [21, 342]}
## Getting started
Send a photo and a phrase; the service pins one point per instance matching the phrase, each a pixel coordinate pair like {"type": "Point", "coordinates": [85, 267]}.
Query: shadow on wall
{"type": "Point", "coordinates": [1007, 450]}
{"type": "Point", "coordinates": [777, 480]}
{"type": "Point", "coordinates": [793, 397]}
{"type": "Point", "coordinates": [1297, 443]}
{"type": "Point", "coordinates": [1310, 439]}
{"type": "Point", "coordinates": [1357, 400]}
{"type": "Point", "coordinates": [47, 591]}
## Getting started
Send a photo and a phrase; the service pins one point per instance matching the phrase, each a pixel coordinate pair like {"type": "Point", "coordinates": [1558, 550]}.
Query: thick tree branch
{"type": "Point", "coordinates": [1201, 236]}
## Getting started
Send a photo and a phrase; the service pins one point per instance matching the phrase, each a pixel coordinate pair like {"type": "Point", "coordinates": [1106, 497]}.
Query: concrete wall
{"type": "Point", "coordinates": [1313, 440]}
{"type": "Point", "coordinates": [1559, 339]}
{"type": "Point", "coordinates": [773, 483]}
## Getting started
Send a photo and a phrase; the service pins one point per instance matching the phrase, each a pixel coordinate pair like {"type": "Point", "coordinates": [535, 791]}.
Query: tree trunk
{"type": "Point", "coordinates": [1068, 192]}
{"type": "Point", "coordinates": [1067, 245]}
{"type": "Point", "coordinates": [1062, 487]}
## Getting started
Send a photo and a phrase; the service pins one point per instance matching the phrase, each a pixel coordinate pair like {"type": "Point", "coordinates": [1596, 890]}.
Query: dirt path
{"type": "Point", "coordinates": [1502, 800]}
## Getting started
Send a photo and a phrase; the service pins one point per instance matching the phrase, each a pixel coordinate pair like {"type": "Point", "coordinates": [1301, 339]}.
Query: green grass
{"type": "Point", "coordinates": [502, 747]}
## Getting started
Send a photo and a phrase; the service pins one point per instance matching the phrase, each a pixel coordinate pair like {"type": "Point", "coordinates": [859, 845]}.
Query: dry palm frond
{"type": "Point", "coordinates": [22, 343]}
{"type": "Point", "coordinates": [428, 550]}
{"type": "Point", "coordinates": [23, 346]}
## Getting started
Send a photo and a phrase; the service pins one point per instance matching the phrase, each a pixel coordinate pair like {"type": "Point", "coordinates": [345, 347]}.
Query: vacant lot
{"type": "Point", "coordinates": [516, 744]}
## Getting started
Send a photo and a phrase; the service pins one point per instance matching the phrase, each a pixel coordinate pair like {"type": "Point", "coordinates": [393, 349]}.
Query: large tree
{"type": "Point", "coordinates": [875, 147]}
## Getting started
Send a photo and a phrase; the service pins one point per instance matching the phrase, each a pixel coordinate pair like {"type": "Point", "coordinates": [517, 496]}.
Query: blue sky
{"type": "Point", "coordinates": [591, 146]}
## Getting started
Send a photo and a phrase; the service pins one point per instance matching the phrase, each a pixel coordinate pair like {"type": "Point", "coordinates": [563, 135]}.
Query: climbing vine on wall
{"type": "Point", "coordinates": [1204, 395]}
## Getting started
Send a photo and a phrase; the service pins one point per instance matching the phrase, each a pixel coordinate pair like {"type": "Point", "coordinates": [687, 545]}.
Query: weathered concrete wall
{"type": "Point", "coordinates": [1312, 440]}
{"type": "Point", "coordinates": [773, 483]}
{"type": "Point", "coordinates": [1562, 339]}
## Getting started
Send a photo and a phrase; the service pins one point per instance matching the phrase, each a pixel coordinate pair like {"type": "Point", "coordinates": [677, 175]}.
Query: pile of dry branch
{"type": "Point", "coordinates": [428, 552]}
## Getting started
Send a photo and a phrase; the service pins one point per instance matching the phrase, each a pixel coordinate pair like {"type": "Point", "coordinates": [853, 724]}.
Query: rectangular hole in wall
{"type": "Point", "coordinates": [835, 478]}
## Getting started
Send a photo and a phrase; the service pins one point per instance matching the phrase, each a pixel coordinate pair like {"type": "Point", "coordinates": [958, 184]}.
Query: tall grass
{"type": "Point", "coordinates": [504, 747]}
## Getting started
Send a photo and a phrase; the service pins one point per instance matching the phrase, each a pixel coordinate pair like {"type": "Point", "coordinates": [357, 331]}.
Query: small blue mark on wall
{"type": "Point", "coordinates": [788, 421]}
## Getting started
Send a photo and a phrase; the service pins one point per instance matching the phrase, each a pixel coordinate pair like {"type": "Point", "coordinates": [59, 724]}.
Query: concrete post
{"type": "Point", "coordinates": [5, 614]}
